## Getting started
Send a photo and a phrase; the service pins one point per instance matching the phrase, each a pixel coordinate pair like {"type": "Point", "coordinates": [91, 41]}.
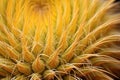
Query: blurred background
{"type": "Point", "coordinates": [117, 0]}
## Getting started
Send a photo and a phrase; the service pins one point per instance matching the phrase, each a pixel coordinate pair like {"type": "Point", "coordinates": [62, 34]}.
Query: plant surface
{"type": "Point", "coordinates": [59, 40]}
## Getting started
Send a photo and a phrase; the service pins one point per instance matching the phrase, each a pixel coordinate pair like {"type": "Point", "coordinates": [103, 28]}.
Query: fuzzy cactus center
{"type": "Point", "coordinates": [40, 5]}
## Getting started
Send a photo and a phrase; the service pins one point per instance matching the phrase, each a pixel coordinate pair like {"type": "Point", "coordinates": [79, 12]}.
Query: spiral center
{"type": "Point", "coordinates": [41, 5]}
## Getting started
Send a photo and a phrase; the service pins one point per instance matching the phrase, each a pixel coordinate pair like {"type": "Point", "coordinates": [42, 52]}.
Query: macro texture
{"type": "Point", "coordinates": [59, 40]}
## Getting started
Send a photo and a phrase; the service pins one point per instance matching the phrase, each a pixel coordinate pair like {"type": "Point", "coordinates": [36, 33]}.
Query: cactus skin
{"type": "Point", "coordinates": [59, 40]}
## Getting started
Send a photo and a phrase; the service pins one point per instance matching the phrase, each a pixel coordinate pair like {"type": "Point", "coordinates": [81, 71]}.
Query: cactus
{"type": "Point", "coordinates": [59, 40]}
